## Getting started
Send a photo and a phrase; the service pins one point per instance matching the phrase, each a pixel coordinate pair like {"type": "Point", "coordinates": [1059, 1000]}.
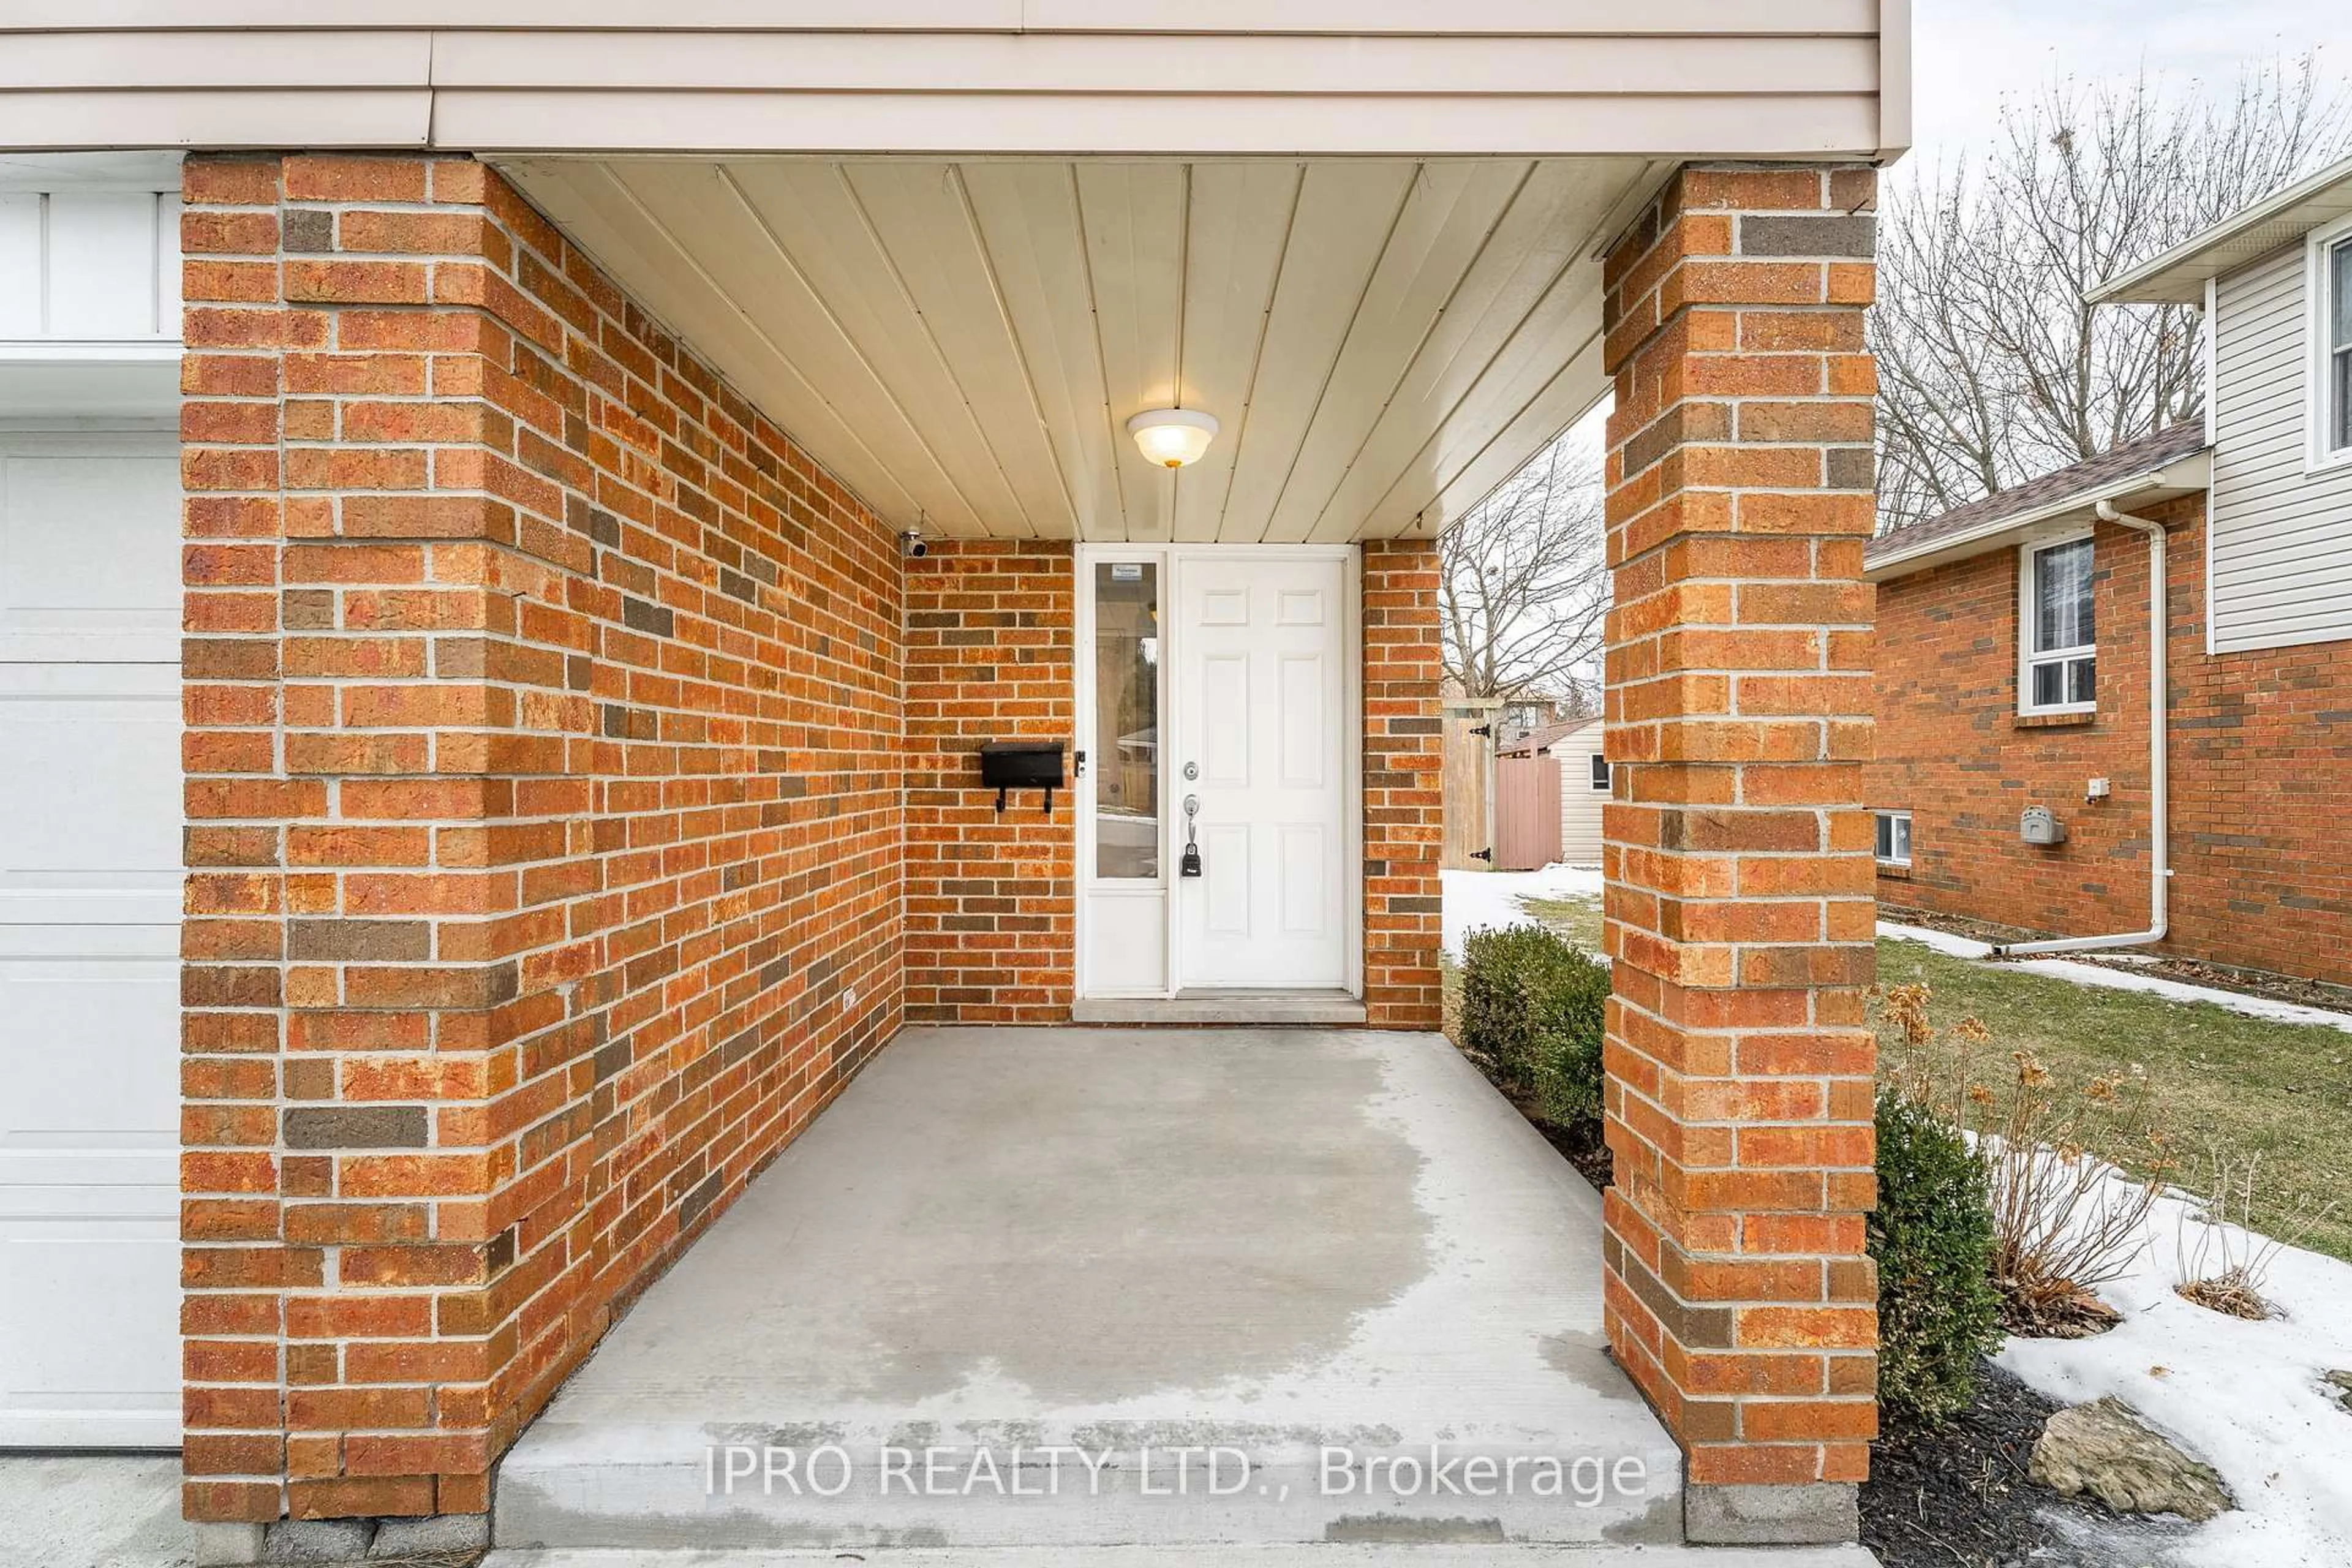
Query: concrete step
{"type": "Point", "coordinates": [853, 1486]}
{"type": "Point", "coordinates": [1324, 1556]}
{"type": "Point", "coordinates": [1066, 1287]}
{"type": "Point", "coordinates": [1225, 1008]}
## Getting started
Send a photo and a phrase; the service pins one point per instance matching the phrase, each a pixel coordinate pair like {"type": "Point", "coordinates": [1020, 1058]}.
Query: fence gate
{"type": "Point", "coordinates": [1469, 781]}
{"type": "Point", "coordinates": [1527, 812]}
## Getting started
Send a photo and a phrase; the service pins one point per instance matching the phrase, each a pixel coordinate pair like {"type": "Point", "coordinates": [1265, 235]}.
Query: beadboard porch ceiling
{"type": "Point", "coordinates": [962, 342]}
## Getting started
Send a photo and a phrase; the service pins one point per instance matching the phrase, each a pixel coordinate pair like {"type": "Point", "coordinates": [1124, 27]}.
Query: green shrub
{"type": "Point", "coordinates": [1532, 1006]}
{"type": "Point", "coordinates": [1938, 1312]}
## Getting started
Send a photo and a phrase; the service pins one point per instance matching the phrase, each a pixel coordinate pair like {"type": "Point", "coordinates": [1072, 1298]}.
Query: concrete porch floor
{"type": "Point", "coordinates": [999, 1244]}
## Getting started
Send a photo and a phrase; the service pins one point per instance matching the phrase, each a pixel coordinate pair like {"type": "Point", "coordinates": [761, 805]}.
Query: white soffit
{"type": "Point", "coordinates": [963, 343]}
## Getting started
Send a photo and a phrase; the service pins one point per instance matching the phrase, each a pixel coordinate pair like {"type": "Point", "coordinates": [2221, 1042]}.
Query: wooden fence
{"type": "Point", "coordinates": [1527, 812]}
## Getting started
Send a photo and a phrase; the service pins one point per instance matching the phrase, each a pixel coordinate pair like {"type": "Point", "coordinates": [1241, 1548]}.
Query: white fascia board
{"type": "Point", "coordinates": [2179, 276]}
{"type": "Point", "coordinates": [2184, 475]}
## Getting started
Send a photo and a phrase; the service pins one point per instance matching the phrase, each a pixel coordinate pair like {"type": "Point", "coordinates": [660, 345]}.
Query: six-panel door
{"type": "Point", "coordinates": [1261, 702]}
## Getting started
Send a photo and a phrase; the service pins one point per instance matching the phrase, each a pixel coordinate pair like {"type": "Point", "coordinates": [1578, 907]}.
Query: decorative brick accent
{"type": "Point", "coordinates": [544, 793]}
{"type": "Point", "coordinates": [991, 910]}
{"type": "Point", "coordinates": [1738, 862]}
{"type": "Point", "coordinates": [1404, 796]}
{"type": "Point", "coordinates": [2260, 765]}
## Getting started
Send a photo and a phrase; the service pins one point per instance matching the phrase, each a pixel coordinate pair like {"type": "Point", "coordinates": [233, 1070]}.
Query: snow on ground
{"type": "Point", "coordinates": [1479, 899]}
{"type": "Point", "coordinates": [2246, 1397]}
{"type": "Point", "coordinates": [2122, 979]}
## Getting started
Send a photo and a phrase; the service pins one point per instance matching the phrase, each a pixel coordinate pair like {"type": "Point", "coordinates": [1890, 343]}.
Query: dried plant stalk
{"type": "Point", "coordinates": [2064, 1222]}
{"type": "Point", "coordinates": [2227, 1266]}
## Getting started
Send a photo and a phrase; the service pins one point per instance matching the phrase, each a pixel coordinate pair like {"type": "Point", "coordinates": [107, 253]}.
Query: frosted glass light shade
{"type": "Point", "coordinates": [1173, 436]}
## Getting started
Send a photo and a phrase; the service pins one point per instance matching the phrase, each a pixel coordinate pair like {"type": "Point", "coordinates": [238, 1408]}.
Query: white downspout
{"type": "Point", "coordinates": [2159, 828]}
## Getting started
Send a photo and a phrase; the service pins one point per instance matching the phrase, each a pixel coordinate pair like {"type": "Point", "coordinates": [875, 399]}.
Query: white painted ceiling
{"type": "Point", "coordinates": [963, 343]}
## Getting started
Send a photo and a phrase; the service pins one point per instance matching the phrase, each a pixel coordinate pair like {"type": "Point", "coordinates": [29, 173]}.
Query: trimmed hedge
{"type": "Point", "coordinates": [1532, 1007]}
{"type": "Point", "coordinates": [1938, 1310]}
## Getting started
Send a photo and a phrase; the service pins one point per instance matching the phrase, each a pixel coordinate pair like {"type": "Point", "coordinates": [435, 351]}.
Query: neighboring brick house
{"type": "Point", "coordinates": [2013, 643]}
{"type": "Point", "coordinates": [511, 552]}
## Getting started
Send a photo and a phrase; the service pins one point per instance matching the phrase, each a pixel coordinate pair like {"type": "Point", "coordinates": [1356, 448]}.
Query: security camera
{"type": "Point", "coordinates": [912, 545]}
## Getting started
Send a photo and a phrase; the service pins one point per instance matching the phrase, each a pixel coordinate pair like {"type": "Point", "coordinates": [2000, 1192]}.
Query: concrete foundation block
{"type": "Point", "coordinates": [1819, 1513]}
{"type": "Point", "coordinates": [226, 1545]}
{"type": "Point", "coordinates": [432, 1532]}
{"type": "Point", "coordinates": [316, 1540]}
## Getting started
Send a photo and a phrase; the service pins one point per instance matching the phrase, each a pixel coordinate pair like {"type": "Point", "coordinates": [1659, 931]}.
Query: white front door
{"type": "Point", "coordinates": [1261, 746]}
{"type": "Point", "coordinates": [89, 902]}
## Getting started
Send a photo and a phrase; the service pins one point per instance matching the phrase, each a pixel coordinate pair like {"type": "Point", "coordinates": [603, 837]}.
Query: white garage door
{"type": "Point", "coordinates": [89, 899]}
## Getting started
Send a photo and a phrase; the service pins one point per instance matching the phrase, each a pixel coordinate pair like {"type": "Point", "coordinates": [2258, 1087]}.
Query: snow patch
{"type": "Point", "coordinates": [1484, 901]}
{"type": "Point", "coordinates": [2248, 1398]}
{"type": "Point", "coordinates": [2124, 980]}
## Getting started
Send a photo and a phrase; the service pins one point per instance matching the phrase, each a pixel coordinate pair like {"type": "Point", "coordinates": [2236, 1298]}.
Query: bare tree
{"type": "Point", "coordinates": [1993, 369]}
{"type": "Point", "coordinates": [1524, 585]}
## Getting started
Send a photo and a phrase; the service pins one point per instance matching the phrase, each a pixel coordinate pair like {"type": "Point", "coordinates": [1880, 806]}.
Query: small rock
{"type": "Point", "coordinates": [2106, 1450]}
{"type": "Point", "coordinates": [2342, 1382]}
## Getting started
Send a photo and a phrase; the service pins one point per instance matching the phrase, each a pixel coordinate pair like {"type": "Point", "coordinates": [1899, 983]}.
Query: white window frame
{"type": "Point", "coordinates": [1597, 771]}
{"type": "Point", "coordinates": [2028, 657]}
{"type": "Point", "coordinates": [1883, 819]}
{"type": "Point", "coordinates": [2319, 296]}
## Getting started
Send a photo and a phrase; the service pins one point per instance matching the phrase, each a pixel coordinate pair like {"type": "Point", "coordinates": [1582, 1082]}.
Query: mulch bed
{"type": "Point", "coordinates": [2187, 971]}
{"type": "Point", "coordinates": [1958, 1496]}
{"type": "Point", "coordinates": [1579, 1146]}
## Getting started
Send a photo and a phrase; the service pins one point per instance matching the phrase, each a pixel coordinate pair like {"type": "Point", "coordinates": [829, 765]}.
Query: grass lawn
{"type": "Point", "coordinates": [2280, 1091]}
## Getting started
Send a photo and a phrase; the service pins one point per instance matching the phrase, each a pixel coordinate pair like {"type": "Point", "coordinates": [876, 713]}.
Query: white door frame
{"type": "Point", "coordinates": [1170, 559]}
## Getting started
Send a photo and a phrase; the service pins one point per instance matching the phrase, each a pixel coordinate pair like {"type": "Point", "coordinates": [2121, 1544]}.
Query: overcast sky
{"type": "Point", "coordinates": [1970, 54]}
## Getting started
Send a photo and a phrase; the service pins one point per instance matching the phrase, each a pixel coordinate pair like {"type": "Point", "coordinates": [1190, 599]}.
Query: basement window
{"type": "Point", "coordinates": [2058, 629]}
{"type": "Point", "coordinates": [1894, 838]}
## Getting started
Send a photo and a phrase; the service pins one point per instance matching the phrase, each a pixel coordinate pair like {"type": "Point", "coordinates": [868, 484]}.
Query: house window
{"type": "Point", "coordinates": [2059, 634]}
{"type": "Point", "coordinates": [2332, 368]}
{"type": "Point", "coordinates": [1895, 839]}
{"type": "Point", "coordinates": [1600, 771]}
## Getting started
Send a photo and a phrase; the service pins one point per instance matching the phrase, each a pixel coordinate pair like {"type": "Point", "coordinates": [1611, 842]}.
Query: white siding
{"type": "Point", "coordinates": [89, 266]}
{"type": "Point", "coordinates": [2281, 559]}
{"type": "Point", "coordinates": [1795, 79]}
{"type": "Point", "coordinates": [1579, 803]}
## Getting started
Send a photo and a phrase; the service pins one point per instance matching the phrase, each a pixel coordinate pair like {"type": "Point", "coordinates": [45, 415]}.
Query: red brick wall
{"type": "Point", "coordinates": [543, 796]}
{"type": "Point", "coordinates": [2260, 765]}
{"type": "Point", "coordinates": [1739, 911]}
{"type": "Point", "coordinates": [992, 921]}
{"type": "Point", "coordinates": [580, 789]}
{"type": "Point", "coordinates": [1404, 796]}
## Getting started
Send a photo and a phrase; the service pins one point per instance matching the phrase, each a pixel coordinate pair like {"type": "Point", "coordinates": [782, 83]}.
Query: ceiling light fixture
{"type": "Point", "coordinates": [1173, 436]}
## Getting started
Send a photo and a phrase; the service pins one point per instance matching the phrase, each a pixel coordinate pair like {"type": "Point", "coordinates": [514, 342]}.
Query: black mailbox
{"type": "Point", "coordinates": [1022, 764]}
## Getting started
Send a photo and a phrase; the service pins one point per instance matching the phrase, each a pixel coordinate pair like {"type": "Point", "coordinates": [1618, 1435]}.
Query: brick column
{"type": "Point", "coordinates": [1738, 856]}
{"type": "Point", "coordinates": [1404, 796]}
{"type": "Point", "coordinates": [544, 820]}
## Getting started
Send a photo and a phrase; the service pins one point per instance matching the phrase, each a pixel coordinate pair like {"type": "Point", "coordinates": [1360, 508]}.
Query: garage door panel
{"type": "Point", "coordinates": [113, 1383]}
{"type": "Point", "coordinates": [89, 549]}
{"type": "Point", "coordinates": [89, 1053]}
{"type": "Point", "coordinates": [90, 903]}
{"type": "Point", "coordinates": [90, 830]}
